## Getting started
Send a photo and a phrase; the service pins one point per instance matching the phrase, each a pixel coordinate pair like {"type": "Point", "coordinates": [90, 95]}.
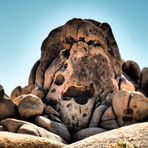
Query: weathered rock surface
{"type": "Point", "coordinates": [130, 107]}
{"type": "Point", "coordinates": [80, 86]}
{"type": "Point", "coordinates": [30, 106]}
{"type": "Point", "coordinates": [12, 140]}
{"type": "Point", "coordinates": [23, 127]}
{"type": "Point", "coordinates": [55, 127]}
{"type": "Point", "coordinates": [87, 132]}
{"type": "Point", "coordinates": [136, 135]}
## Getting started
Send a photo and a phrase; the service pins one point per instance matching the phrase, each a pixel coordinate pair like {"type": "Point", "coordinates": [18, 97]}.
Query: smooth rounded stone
{"type": "Point", "coordinates": [144, 81]}
{"type": "Point", "coordinates": [120, 104]}
{"type": "Point", "coordinates": [13, 140]}
{"type": "Point", "coordinates": [108, 114]}
{"type": "Point", "coordinates": [87, 132]}
{"type": "Point", "coordinates": [38, 92]}
{"type": "Point", "coordinates": [28, 129]}
{"type": "Point", "coordinates": [55, 127]}
{"type": "Point", "coordinates": [7, 107]}
{"type": "Point", "coordinates": [12, 125]}
{"type": "Point", "coordinates": [20, 126]}
{"type": "Point", "coordinates": [132, 69]}
{"type": "Point", "coordinates": [138, 106]}
{"type": "Point", "coordinates": [97, 114]}
{"type": "Point", "coordinates": [16, 92]}
{"type": "Point", "coordinates": [30, 106]}
{"type": "Point", "coordinates": [109, 124]}
{"type": "Point", "coordinates": [136, 135]}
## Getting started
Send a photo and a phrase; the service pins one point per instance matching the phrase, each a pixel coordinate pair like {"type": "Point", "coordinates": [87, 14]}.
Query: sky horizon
{"type": "Point", "coordinates": [24, 24]}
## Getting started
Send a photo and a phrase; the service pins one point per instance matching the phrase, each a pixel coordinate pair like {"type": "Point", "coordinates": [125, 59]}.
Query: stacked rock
{"type": "Point", "coordinates": [79, 87]}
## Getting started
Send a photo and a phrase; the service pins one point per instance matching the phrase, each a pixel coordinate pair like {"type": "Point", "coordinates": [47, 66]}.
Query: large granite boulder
{"type": "Point", "coordinates": [133, 136]}
{"type": "Point", "coordinates": [12, 140]}
{"type": "Point", "coordinates": [79, 87]}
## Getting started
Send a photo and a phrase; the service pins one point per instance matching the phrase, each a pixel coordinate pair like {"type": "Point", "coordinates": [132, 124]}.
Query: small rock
{"type": "Point", "coordinates": [55, 127]}
{"type": "Point", "coordinates": [7, 107]}
{"type": "Point", "coordinates": [97, 114]}
{"type": "Point", "coordinates": [132, 71]}
{"type": "Point", "coordinates": [108, 114]}
{"type": "Point", "coordinates": [120, 104]}
{"type": "Point", "coordinates": [109, 124]}
{"type": "Point", "coordinates": [87, 132]}
{"type": "Point", "coordinates": [19, 126]}
{"type": "Point", "coordinates": [30, 106]}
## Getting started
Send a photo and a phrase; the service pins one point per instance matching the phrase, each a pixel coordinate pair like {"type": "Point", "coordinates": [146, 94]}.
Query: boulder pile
{"type": "Point", "coordinates": [79, 87]}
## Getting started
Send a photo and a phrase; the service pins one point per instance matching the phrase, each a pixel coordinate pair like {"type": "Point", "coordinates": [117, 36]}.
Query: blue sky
{"type": "Point", "coordinates": [25, 23]}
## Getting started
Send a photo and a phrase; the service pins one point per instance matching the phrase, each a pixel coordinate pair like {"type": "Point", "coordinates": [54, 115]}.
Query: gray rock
{"type": "Point", "coordinates": [55, 127]}
{"type": "Point", "coordinates": [87, 132]}
{"type": "Point", "coordinates": [97, 114]}
{"type": "Point", "coordinates": [109, 124]}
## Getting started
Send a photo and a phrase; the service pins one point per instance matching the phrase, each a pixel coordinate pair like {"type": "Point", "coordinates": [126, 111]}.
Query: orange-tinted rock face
{"type": "Point", "coordinates": [78, 66]}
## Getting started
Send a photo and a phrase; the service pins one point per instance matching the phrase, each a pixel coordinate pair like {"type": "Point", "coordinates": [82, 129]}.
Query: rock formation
{"type": "Point", "coordinates": [79, 87]}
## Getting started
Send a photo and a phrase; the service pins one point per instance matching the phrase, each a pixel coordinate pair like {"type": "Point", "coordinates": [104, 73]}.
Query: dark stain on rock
{"type": "Point", "coordinates": [73, 117]}
{"type": "Point", "coordinates": [59, 79]}
{"type": "Point", "coordinates": [128, 111]}
{"type": "Point", "coordinates": [127, 119]}
{"type": "Point", "coordinates": [84, 114]}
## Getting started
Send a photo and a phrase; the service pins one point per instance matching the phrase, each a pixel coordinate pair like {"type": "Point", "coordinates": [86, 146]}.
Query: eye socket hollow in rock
{"type": "Point", "coordinates": [66, 53]}
{"type": "Point", "coordinates": [59, 80]}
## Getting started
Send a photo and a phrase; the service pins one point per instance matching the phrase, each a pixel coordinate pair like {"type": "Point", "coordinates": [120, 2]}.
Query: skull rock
{"type": "Point", "coordinates": [82, 70]}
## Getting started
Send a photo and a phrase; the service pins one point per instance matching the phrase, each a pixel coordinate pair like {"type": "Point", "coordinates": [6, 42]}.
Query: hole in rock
{"type": "Point", "coordinates": [66, 53]}
{"type": "Point", "coordinates": [59, 79]}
